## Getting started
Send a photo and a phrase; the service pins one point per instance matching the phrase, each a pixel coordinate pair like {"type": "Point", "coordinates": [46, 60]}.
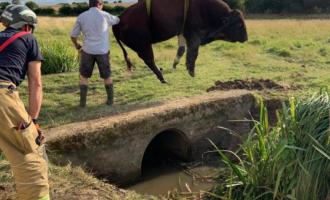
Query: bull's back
{"type": "Point", "coordinates": [165, 21]}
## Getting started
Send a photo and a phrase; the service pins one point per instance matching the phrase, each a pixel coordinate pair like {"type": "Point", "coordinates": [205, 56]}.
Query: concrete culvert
{"type": "Point", "coordinates": [168, 147]}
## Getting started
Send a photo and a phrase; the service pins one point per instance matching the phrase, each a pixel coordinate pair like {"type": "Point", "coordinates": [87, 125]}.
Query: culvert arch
{"type": "Point", "coordinates": [170, 145]}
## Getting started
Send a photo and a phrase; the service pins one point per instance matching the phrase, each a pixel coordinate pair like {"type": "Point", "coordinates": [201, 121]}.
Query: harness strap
{"type": "Point", "coordinates": [186, 8]}
{"type": "Point", "coordinates": [12, 39]}
{"type": "Point", "coordinates": [148, 4]}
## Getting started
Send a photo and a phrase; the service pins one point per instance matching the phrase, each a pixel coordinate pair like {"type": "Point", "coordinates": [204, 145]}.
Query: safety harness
{"type": "Point", "coordinates": [3, 46]}
{"type": "Point", "coordinates": [12, 39]}
{"type": "Point", "coordinates": [186, 8]}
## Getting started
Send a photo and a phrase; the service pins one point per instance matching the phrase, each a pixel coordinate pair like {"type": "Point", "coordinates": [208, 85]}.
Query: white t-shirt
{"type": "Point", "coordinates": [94, 25]}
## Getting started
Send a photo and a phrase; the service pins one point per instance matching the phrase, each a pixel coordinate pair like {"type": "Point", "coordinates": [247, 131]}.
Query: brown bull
{"type": "Point", "coordinates": [207, 20]}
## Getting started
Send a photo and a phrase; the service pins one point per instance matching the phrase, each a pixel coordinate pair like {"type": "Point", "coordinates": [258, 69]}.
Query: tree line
{"type": "Point", "coordinates": [77, 8]}
{"type": "Point", "coordinates": [249, 6]}
{"type": "Point", "coordinates": [73, 9]}
{"type": "Point", "coordinates": [281, 6]}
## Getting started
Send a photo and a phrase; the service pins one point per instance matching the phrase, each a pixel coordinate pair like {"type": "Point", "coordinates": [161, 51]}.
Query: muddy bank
{"type": "Point", "coordinates": [249, 84]}
{"type": "Point", "coordinates": [69, 183]}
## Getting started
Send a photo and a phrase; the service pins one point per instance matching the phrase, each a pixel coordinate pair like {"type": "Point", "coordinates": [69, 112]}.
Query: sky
{"type": "Point", "coordinates": [49, 2]}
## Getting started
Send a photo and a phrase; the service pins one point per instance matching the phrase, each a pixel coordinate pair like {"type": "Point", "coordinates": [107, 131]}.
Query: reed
{"type": "Point", "coordinates": [288, 161]}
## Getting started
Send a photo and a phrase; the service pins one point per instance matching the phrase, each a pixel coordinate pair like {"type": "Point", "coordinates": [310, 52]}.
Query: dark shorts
{"type": "Point", "coordinates": [87, 62]}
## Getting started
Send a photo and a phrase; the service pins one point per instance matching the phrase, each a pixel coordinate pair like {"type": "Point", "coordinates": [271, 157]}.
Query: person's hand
{"type": "Point", "coordinates": [41, 139]}
{"type": "Point", "coordinates": [78, 46]}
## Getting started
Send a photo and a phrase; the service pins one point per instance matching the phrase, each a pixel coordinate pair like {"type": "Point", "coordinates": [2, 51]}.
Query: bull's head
{"type": "Point", "coordinates": [235, 30]}
{"type": "Point", "coordinates": [232, 29]}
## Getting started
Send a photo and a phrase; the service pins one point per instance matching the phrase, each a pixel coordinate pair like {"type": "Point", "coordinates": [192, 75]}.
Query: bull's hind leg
{"type": "Point", "coordinates": [147, 55]}
{"type": "Point", "coordinates": [181, 50]}
{"type": "Point", "coordinates": [116, 32]}
{"type": "Point", "coordinates": [128, 61]}
{"type": "Point", "coordinates": [193, 44]}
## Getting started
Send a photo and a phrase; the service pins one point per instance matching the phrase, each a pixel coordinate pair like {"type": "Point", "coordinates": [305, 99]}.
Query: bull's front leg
{"type": "Point", "coordinates": [181, 50]}
{"type": "Point", "coordinates": [193, 44]}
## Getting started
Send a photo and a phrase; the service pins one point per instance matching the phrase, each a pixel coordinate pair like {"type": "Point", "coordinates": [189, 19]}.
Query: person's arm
{"type": "Point", "coordinates": [35, 88]}
{"type": "Point", "coordinates": [75, 34]}
{"type": "Point", "coordinates": [76, 43]}
{"type": "Point", "coordinates": [113, 20]}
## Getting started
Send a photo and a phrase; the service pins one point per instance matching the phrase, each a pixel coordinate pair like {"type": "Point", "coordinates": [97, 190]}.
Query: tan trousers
{"type": "Point", "coordinates": [19, 147]}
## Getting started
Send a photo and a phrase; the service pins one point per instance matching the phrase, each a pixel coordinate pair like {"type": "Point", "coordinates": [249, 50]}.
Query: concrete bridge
{"type": "Point", "coordinates": [118, 147]}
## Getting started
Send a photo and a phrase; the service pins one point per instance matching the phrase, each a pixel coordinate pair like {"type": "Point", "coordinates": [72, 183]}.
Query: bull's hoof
{"type": "Point", "coordinates": [175, 63]}
{"type": "Point", "coordinates": [191, 73]}
{"type": "Point", "coordinates": [174, 66]}
{"type": "Point", "coordinates": [163, 81]}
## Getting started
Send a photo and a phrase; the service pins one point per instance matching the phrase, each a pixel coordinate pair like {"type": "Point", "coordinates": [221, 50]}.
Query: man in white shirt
{"type": "Point", "coordinates": [94, 25]}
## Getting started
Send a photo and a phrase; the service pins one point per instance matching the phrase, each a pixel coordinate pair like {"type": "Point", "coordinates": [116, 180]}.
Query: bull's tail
{"type": "Point", "coordinates": [116, 33]}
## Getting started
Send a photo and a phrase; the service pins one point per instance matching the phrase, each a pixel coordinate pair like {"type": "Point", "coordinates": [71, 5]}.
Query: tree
{"type": "Point", "coordinates": [236, 4]}
{"type": "Point", "coordinates": [3, 5]}
{"type": "Point", "coordinates": [32, 5]}
{"type": "Point", "coordinates": [16, 1]}
{"type": "Point", "coordinates": [65, 10]}
{"type": "Point", "coordinates": [45, 11]}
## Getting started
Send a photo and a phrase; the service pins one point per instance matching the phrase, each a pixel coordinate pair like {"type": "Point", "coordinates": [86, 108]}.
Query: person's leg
{"type": "Point", "coordinates": [109, 89]}
{"type": "Point", "coordinates": [103, 62]}
{"type": "Point", "coordinates": [83, 85]}
{"type": "Point", "coordinates": [87, 63]}
{"type": "Point", "coordinates": [26, 158]}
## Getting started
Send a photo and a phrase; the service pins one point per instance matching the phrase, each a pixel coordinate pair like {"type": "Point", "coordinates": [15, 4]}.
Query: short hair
{"type": "Point", "coordinates": [94, 3]}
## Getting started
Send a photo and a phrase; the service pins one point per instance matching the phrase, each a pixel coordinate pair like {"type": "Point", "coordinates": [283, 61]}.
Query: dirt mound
{"type": "Point", "coordinates": [249, 84]}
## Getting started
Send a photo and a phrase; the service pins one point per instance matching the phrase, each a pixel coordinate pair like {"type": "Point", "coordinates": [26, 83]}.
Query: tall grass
{"type": "Point", "coordinates": [288, 161]}
{"type": "Point", "coordinates": [59, 57]}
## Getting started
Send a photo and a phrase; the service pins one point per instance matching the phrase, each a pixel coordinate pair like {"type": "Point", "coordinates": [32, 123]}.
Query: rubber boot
{"type": "Point", "coordinates": [109, 89]}
{"type": "Point", "coordinates": [83, 95]}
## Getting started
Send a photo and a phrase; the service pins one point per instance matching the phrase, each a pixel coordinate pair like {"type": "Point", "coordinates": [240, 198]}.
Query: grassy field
{"type": "Point", "coordinates": [293, 52]}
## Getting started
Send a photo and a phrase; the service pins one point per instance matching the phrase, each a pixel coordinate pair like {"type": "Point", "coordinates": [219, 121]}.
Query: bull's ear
{"type": "Point", "coordinates": [225, 20]}
{"type": "Point", "coordinates": [236, 12]}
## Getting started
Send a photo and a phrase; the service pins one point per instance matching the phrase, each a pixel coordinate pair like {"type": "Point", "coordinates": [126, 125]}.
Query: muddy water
{"type": "Point", "coordinates": [164, 179]}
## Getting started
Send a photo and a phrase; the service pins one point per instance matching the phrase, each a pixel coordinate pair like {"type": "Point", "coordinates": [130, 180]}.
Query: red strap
{"type": "Point", "coordinates": [12, 39]}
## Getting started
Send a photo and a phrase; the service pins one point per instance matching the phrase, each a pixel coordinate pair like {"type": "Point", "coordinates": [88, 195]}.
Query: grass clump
{"type": "Point", "coordinates": [288, 161]}
{"type": "Point", "coordinates": [59, 58]}
{"type": "Point", "coordinates": [282, 52]}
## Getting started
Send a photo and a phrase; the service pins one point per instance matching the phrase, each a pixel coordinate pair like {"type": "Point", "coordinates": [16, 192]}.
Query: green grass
{"type": "Point", "coordinates": [59, 58]}
{"type": "Point", "coordinates": [288, 161]}
{"type": "Point", "coordinates": [288, 51]}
